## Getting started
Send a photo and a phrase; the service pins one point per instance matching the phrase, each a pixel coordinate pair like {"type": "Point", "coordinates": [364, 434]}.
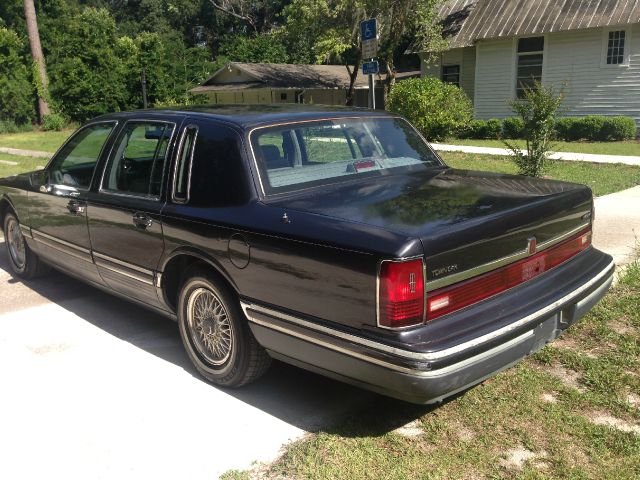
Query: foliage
{"type": "Point", "coordinates": [596, 128]}
{"type": "Point", "coordinates": [53, 121]}
{"type": "Point", "coordinates": [538, 110]}
{"type": "Point", "coordinates": [262, 48]}
{"type": "Point", "coordinates": [16, 91]}
{"type": "Point", "coordinates": [494, 129]}
{"type": "Point", "coordinates": [482, 129]}
{"type": "Point", "coordinates": [436, 108]}
{"type": "Point", "coordinates": [513, 127]}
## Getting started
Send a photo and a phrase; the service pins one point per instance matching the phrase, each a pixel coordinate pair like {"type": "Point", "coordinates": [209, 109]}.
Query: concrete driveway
{"type": "Point", "coordinates": [95, 387]}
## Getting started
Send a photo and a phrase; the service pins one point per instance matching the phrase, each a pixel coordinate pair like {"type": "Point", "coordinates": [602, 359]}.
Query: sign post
{"type": "Point", "coordinates": [369, 37]}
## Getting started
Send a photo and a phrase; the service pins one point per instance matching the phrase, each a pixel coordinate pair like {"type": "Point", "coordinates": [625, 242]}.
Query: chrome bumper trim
{"type": "Point", "coordinates": [432, 285]}
{"type": "Point", "coordinates": [405, 354]}
{"type": "Point", "coordinates": [62, 246]}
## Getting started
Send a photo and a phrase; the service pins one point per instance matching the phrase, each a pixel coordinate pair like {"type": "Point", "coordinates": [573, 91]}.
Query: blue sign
{"type": "Point", "coordinates": [368, 29]}
{"type": "Point", "coordinates": [370, 68]}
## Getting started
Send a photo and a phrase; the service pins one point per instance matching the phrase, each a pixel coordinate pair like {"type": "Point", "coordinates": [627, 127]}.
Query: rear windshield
{"type": "Point", "coordinates": [300, 155]}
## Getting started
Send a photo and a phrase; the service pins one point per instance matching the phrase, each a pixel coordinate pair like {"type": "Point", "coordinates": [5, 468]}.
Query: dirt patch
{"type": "Point", "coordinates": [515, 458]}
{"type": "Point", "coordinates": [620, 328]}
{"type": "Point", "coordinates": [569, 377]}
{"type": "Point", "coordinates": [549, 398]}
{"type": "Point", "coordinates": [567, 343]}
{"type": "Point", "coordinates": [633, 400]}
{"type": "Point", "coordinates": [603, 418]}
{"type": "Point", "coordinates": [411, 429]}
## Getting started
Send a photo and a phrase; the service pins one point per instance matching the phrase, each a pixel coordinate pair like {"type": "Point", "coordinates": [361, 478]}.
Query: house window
{"type": "Point", "coordinates": [530, 56]}
{"type": "Point", "coordinates": [283, 96]}
{"type": "Point", "coordinates": [615, 47]}
{"type": "Point", "coordinates": [451, 74]}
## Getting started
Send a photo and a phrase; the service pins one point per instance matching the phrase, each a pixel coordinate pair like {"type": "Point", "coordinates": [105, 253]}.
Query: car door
{"type": "Point", "coordinates": [124, 211]}
{"type": "Point", "coordinates": [57, 203]}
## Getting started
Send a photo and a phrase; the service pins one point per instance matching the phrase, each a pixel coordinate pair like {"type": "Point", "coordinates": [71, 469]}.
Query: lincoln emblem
{"type": "Point", "coordinates": [531, 245]}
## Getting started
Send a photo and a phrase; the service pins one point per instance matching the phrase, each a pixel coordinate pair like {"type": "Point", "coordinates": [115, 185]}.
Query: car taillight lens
{"type": "Point", "coordinates": [452, 298]}
{"type": "Point", "coordinates": [401, 293]}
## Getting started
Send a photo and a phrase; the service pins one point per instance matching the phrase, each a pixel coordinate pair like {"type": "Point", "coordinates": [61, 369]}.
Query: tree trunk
{"type": "Point", "coordinates": [390, 81]}
{"type": "Point", "coordinates": [353, 75]}
{"type": "Point", "coordinates": [38, 57]}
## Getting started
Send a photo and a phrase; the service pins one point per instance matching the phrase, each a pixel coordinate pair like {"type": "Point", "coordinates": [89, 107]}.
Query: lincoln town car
{"type": "Point", "coordinates": [333, 239]}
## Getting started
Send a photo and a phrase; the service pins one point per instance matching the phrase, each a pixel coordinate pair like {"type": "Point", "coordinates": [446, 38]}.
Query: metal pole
{"type": "Point", "coordinates": [372, 91]}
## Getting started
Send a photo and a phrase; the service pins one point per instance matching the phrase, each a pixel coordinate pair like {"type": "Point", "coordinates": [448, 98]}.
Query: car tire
{"type": "Point", "coordinates": [216, 334]}
{"type": "Point", "coordinates": [24, 263]}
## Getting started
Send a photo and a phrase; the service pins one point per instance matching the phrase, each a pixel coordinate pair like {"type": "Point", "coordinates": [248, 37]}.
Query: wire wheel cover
{"type": "Point", "coordinates": [210, 329]}
{"type": "Point", "coordinates": [15, 242]}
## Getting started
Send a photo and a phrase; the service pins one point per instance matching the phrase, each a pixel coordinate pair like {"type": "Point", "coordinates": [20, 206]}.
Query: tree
{"type": "Point", "coordinates": [40, 73]}
{"type": "Point", "coordinates": [539, 110]}
{"type": "Point", "coordinates": [259, 15]}
{"type": "Point", "coordinates": [331, 30]}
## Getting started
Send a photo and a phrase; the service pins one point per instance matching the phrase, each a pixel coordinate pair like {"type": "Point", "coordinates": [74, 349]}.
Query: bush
{"type": "Point", "coordinates": [619, 128]}
{"type": "Point", "coordinates": [437, 109]}
{"type": "Point", "coordinates": [476, 129]}
{"type": "Point", "coordinates": [53, 121]}
{"type": "Point", "coordinates": [538, 110]}
{"type": "Point", "coordinates": [567, 129]}
{"type": "Point", "coordinates": [16, 90]}
{"type": "Point", "coordinates": [596, 128]}
{"type": "Point", "coordinates": [8, 126]}
{"type": "Point", "coordinates": [512, 127]}
{"type": "Point", "coordinates": [494, 129]}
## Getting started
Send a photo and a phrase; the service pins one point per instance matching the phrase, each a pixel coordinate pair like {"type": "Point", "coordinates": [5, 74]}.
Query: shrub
{"type": "Point", "coordinates": [538, 110]}
{"type": "Point", "coordinates": [618, 128]}
{"type": "Point", "coordinates": [53, 121]}
{"type": "Point", "coordinates": [596, 128]}
{"type": "Point", "coordinates": [476, 129]}
{"type": "Point", "coordinates": [437, 109]}
{"type": "Point", "coordinates": [590, 127]}
{"type": "Point", "coordinates": [494, 129]}
{"type": "Point", "coordinates": [513, 127]}
{"type": "Point", "coordinates": [16, 90]}
{"type": "Point", "coordinates": [8, 126]}
{"type": "Point", "coordinates": [567, 129]}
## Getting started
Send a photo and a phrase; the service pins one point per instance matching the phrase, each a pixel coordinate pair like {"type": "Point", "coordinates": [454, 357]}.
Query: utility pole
{"type": "Point", "coordinates": [143, 81]}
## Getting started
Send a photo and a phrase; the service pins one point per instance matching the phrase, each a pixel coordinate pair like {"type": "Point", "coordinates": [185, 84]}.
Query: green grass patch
{"type": "Point", "coordinates": [36, 140]}
{"type": "Point", "coordinates": [631, 148]}
{"type": "Point", "coordinates": [525, 409]}
{"type": "Point", "coordinates": [603, 178]}
{"type": "Point", "coordinates": [22, 164]}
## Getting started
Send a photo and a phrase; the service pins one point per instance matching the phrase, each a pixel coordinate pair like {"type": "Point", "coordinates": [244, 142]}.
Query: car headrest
{"type": "Point", "coordinates": [271, 154]}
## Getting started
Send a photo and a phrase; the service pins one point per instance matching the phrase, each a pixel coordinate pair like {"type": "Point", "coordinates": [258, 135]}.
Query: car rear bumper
{"type": "Point", "coordinates": [426, 375]}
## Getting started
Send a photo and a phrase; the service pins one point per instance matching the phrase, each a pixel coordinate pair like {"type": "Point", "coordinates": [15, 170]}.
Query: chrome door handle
{"type": "Point", "coordinates": [76, 207]}
{"type": "Point", "coordinates": [141, 220]}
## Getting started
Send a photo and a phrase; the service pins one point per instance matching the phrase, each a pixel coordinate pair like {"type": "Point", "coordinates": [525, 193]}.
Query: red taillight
{"type": "Point", "coordinates": [401, 293]}
{"type": "Point", "coordinates": [452, 298]}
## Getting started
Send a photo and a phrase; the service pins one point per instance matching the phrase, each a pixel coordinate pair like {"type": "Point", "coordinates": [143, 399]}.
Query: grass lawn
{"type": "Point", "coordinates": [40, 141]}
{"type": "Point", "coordinates": [23, 164]}
{"type": "Point", "coordinates": [603, 178]}
{"type": "Point", "coordinates": [631, 148]}
{"type": "Point", "coordinates": [570, 411]}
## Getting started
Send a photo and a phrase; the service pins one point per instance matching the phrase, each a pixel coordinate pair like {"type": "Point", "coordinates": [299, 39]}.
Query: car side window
{"type": "Point", "coordinates": [139, 155]}
{"type": "Point", "coordinates": [218, 175]}
{"type": "Point", "coordinates": [182, 178]}
{"type": "Point", "coordinates": [74, 164]}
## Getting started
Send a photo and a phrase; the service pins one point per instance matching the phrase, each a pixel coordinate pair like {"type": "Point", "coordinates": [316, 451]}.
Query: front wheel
{"type": "Point", "coordinates": [215, 333]}
{"type": "Point", "coordinates": [23, 262]}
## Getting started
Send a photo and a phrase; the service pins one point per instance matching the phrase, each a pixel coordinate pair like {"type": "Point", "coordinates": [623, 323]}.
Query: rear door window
{"type": "Point", "coordinates": [137, 163]}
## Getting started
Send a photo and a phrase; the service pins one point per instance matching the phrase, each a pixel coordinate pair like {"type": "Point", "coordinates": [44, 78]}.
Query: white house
{"type": "Point", "coordinates": [592, 47]}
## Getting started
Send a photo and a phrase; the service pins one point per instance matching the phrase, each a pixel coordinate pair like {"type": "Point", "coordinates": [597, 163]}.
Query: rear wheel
{"type": "Point", "coordinates": [23, 262]}
{"type": "Point", "coordinates": [216, 334]}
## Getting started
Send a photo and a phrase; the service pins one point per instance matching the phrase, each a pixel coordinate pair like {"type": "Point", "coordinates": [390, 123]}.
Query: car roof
{"type": "Point", "coordinates": [248, 116]}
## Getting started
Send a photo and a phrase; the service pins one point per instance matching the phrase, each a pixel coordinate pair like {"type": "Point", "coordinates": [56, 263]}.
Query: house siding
{"type": "Point", "coordinates": [573, 59]}
{"type": "Point", "coordinates": [495, 84]}
{"type": "Point", "coordinates": [465, 57]}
